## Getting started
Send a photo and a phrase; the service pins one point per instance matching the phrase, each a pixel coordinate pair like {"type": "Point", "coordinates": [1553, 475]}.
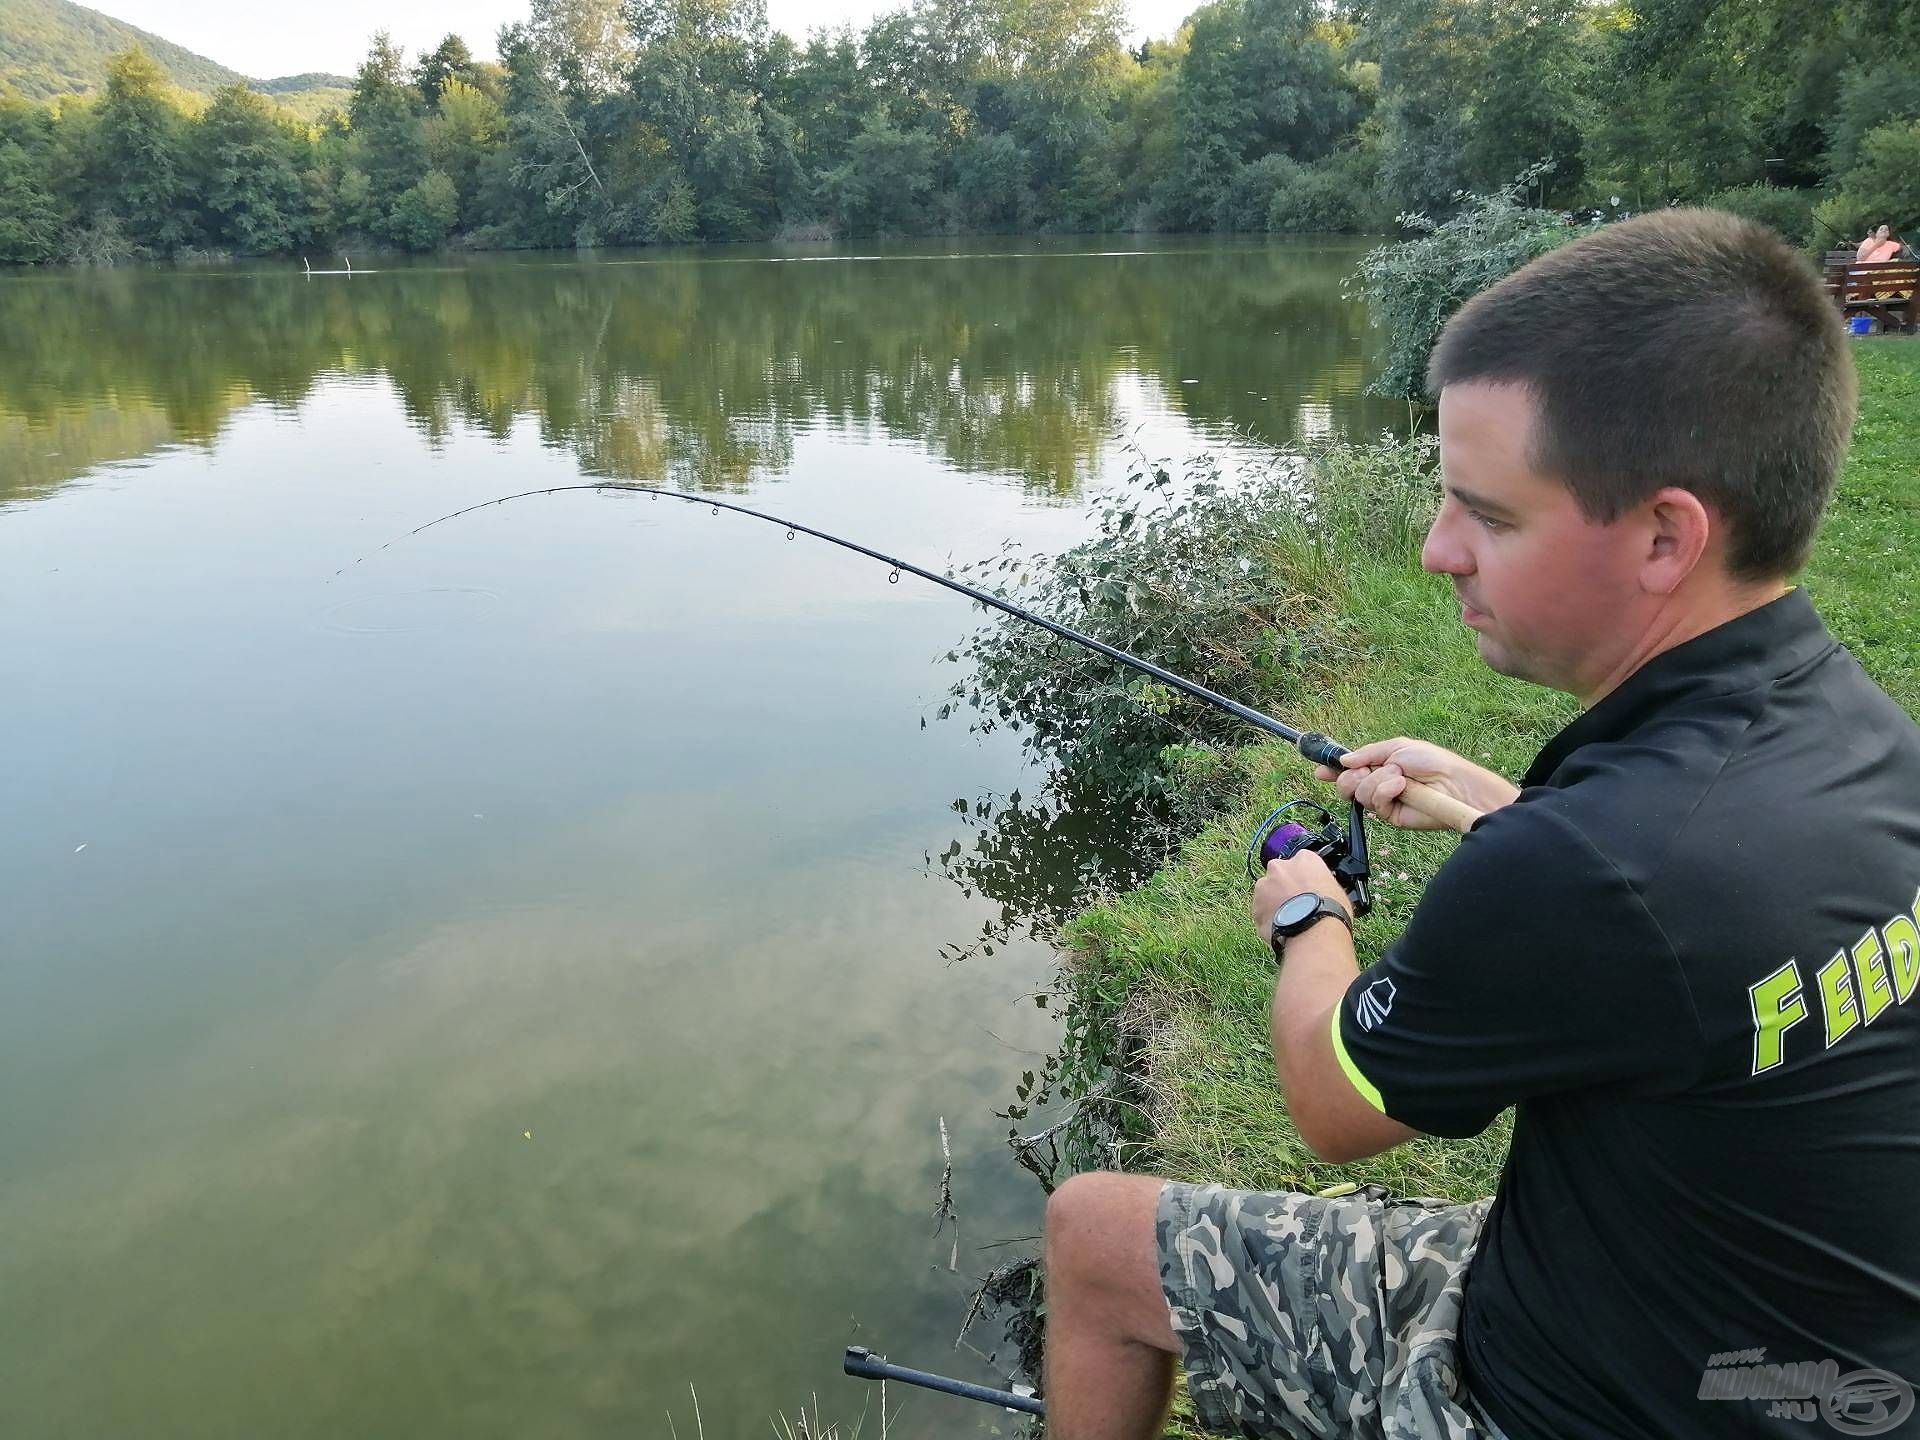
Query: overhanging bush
{"type": "Point", "coordinates": [1415, 286]}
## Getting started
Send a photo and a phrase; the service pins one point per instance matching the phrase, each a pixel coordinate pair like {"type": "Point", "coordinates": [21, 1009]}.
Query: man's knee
{"type": "Point", "coordinates": [1088, 1212]}
{"type": "Point", "coordinates": [1100, 1239]}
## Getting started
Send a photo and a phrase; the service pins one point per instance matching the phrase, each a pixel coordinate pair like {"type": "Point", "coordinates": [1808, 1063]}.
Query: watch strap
{"type": "Point", "coordinates": [1327, 908]}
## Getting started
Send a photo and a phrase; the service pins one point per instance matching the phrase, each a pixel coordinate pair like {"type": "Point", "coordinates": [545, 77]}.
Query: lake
{"type": "Point", "coordinates": [504, 983]}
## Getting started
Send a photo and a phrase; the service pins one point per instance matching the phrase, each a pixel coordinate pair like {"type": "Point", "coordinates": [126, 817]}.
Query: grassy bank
{"type": "Point", "coordinates": [1171, 985]}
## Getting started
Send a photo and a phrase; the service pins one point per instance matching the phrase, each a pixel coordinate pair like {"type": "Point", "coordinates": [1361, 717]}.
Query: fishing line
{"type": "Point", "coordinates": [1279, 836]}
{"type": "Point", "coordinates": [1315, 747]}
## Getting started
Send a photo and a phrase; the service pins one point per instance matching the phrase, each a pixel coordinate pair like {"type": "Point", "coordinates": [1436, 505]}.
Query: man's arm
{"type": "Point", "coordinates": [1334, 1107]}
{"type": "Point", "coordinates": [1337, 1122]}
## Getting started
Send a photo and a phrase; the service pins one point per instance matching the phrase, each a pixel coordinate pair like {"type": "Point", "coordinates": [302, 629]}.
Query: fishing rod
{"type": "Point", "coordinates": [1279, 836]}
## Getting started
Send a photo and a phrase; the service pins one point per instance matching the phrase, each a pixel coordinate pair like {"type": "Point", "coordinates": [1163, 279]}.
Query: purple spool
{"type": "Point", "coordinates": [1283, 841]}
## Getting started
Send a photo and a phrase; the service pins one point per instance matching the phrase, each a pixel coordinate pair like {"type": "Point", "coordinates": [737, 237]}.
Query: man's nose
{"type": "Point", "coordinates": [1442, 554]}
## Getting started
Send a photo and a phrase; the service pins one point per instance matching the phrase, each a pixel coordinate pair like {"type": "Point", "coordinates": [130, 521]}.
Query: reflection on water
{"type": "Point", "coordinates": [701, 370]}
{"type": "Point", "coordinates": [488, 991]}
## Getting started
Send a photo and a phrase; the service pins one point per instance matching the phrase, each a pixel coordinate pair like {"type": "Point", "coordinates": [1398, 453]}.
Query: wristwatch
{"type": "Point", "coordinates": [1301, 912]}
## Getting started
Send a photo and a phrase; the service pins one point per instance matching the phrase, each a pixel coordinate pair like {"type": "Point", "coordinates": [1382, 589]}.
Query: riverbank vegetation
{"type": "Point", "coordinates": [670, 121]}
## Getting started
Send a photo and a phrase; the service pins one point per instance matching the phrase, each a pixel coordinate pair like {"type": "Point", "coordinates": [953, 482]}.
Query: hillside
{"type": "Point", "coordinates": [54, 47]}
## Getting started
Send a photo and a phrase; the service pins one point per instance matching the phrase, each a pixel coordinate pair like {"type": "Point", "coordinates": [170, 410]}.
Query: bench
{"type": "Point", "coordinates": [1885, 289]}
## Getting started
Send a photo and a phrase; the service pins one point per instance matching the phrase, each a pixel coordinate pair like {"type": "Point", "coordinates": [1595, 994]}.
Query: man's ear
{"type": "Point", "coordinates": [1679, 530]}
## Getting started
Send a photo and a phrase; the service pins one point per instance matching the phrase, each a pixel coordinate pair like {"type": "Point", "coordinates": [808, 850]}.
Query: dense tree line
{"type": "Point", "coordinates": [669, 121]}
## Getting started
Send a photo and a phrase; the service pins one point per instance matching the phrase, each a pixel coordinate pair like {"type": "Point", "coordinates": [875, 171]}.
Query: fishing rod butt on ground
{"type": "Point", "coordinates": [863, 1364]}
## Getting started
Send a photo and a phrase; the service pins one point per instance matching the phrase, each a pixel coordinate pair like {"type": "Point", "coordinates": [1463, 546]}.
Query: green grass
{"type": "Point", "coordinates": [1171, 979]}
{"type": "Point", "coordinates": [1865, 575]}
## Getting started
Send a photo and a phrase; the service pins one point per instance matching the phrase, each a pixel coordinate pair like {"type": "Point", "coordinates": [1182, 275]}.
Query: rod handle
{"type": "Point", "coordinates": [1454, 814]}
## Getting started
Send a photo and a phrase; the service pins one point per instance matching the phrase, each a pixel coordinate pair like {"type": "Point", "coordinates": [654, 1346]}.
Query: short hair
{"type": "Point", "coordinates": [1688, 348]}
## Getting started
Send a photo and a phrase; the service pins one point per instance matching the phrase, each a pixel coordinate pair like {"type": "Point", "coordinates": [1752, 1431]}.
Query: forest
{"type": "Point", "coordinates": [632, 122]}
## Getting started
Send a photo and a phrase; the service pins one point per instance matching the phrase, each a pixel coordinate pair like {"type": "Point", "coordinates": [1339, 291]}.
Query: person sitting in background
{"type": "Point", "coordinates": [1879, 245]}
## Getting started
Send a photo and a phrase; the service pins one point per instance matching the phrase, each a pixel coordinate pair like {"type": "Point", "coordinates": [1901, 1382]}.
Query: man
{"type": "Point", "coordinates": [1684, 948]}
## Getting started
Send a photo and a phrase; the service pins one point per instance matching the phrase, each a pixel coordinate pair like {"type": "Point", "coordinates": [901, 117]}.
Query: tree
{"type": "Point", "coordinates": [380, 87]}
{"type": "Point", "coordinates": [447, 63]}
{"type": "Point", "coordinates": [587, 44]}
{"type": "Point", "coordinates": [546, 155]}
{"type": "Point", "coordinates": [693, 86]}
{"type": "Point", "coordinates": [425, 213]}
{"type": "Point", "coordinates": [31, 216]}
{"type": "Point", "coordinates": [1473, 91]}
{"type": "Point", "coordinates": [466, 128]}
{"type": "Point", "coordinates": [138, 155]}
{"type": "Point", "coordinates": [387, 141]}
{"type": "Point", "coordinates": [1869, 96]}
{"type": "Point", "coordinates": [247, 168]}
{"type": "Point", "coordinates": [992, 182]}
{"type": "Point", "coordinates": [1260, 77]}
{"type": "Point", "coordinates": [826, 93]}
{"type": "Point", "coordinates": [884, 181]}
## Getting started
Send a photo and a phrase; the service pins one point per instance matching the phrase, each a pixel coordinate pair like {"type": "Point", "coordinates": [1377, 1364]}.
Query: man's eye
{"type": "Point", "coordinates": [1488, 521]}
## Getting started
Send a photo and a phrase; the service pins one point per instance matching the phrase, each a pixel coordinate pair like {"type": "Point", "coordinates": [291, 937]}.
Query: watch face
{"type": "Point", "coordinates": [1292, 912]}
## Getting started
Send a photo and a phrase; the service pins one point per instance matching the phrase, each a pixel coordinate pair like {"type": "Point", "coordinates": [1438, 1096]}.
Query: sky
{"type": "Point", "coordinates": [333, 37]}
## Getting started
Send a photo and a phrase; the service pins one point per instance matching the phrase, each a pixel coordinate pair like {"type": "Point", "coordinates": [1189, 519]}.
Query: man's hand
{"type": "Point", "coordinates": [1376, 775]}
{"type": "Point", "coordinates": [1287, 878]}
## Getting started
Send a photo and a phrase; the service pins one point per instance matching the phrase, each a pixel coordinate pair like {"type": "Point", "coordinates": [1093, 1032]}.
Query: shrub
{"type": "Point", "coordinates": [1414, 287]}
{"type": "Point", "coordinates": [1788, 211]}
{"type": "Point", "coordinates": [1228, 580]}
{"type": "Point", "coordinates": [424, 212]}
{"type": "Point", "coordinates": [991, 181]}
{"type": "Point", "coordinates": [101, 241]}
{"type": "Point", "coordinates": [1329, 198]}
{"type": "Point", "coordinates": [675, 216]}
{"type": "Point", "coordinates": [1244, 204]}
{"type": "Point", "coordinates": [803, 232]}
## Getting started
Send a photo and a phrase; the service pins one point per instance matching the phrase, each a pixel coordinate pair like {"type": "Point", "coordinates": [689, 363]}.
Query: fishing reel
{"type": "Point", "coordinates": [1282, 835]}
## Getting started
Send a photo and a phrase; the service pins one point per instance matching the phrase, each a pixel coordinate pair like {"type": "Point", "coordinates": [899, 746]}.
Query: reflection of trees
{"type": "Point", "coordinates": [700, 370]}
{"type": "Point", "coordinates": [1039, 857]}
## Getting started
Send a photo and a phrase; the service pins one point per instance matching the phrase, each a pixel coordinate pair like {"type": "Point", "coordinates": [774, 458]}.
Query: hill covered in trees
{"type": "Point", "coordinates": [670, 121]}
{"type": "Point", "coordinates": [53, 47]}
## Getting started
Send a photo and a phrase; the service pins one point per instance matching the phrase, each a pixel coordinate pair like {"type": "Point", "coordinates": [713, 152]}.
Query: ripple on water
{"type": "Point", "coordinates": [401, 612]}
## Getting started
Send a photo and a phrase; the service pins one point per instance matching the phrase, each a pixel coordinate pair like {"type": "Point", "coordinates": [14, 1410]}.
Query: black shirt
{"type": "Point", "coordinates": [1688, 953]}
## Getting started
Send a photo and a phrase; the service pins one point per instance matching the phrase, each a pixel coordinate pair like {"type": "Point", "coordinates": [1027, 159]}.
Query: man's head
{"type": "Point", "coordinates": [1637, 431]}
{"type": "Point", "coordinates": [1883, 232]}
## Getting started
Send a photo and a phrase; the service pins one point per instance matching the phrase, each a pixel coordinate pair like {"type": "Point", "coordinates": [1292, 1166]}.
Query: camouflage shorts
{"type": "Point", "coordinates": [1309, 1317]}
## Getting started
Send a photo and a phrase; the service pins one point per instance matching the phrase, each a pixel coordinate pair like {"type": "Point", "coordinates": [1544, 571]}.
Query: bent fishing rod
{"type": "Point", "coordinates": [1280, 835]}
